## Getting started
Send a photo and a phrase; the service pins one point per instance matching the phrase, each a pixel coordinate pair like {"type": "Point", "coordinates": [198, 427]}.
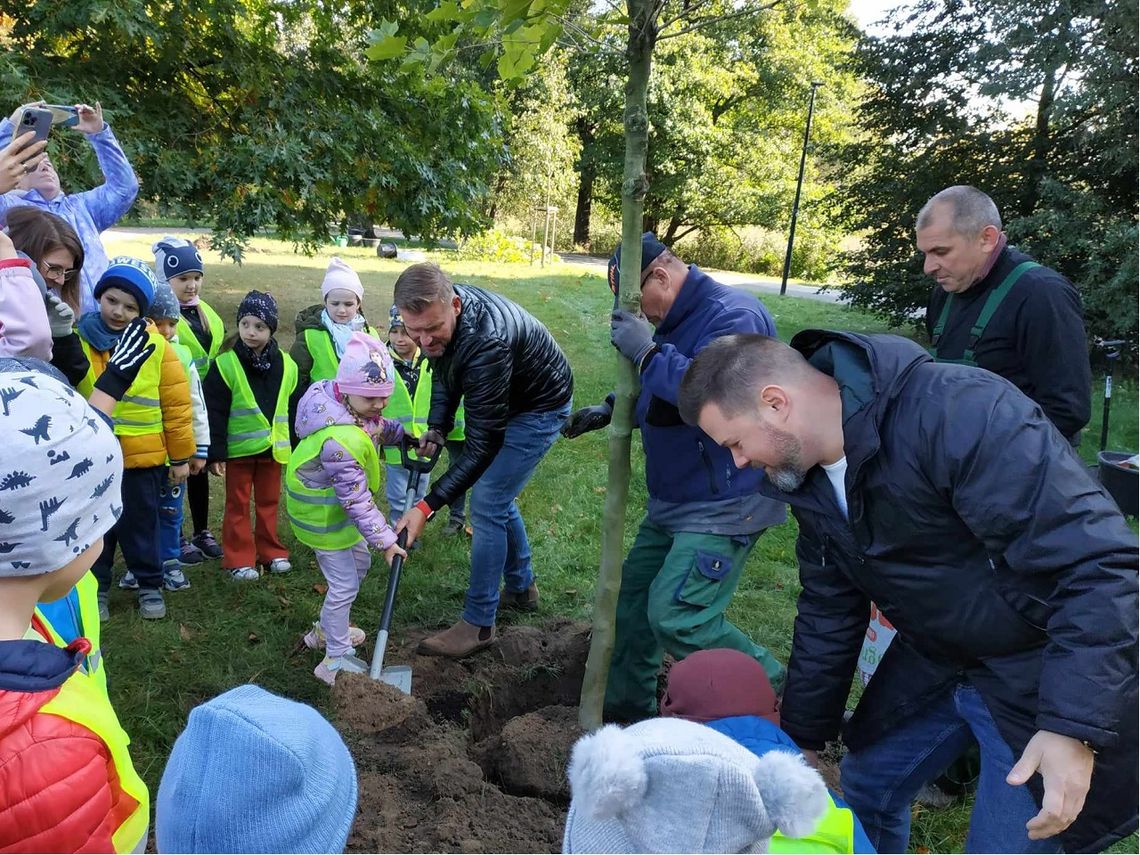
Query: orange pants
{"type": "Point", "coordinates": [259, 477]}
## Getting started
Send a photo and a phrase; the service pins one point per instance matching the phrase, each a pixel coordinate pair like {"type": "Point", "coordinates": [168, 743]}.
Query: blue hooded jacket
{"type": "Point", "coordinates": [682, 464]}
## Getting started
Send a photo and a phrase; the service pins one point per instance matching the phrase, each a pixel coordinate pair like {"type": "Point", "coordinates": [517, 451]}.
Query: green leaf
{"type": "Point", "coordinates": [387, 48]}
{"type": "Point", "coordinates": [446, 11]}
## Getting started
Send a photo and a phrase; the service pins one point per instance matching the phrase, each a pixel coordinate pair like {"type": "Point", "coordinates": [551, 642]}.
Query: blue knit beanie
{"type": "Point", "coordinates": [254, 772]}
{"type": "Point", "coordinates": [175, 256]}
{"type": "Point", "coordinates": [262, 306]}
{"type": "Point", "coordinates": [164, 306]}
{"type": "Point", "coordinates": [130, 275]}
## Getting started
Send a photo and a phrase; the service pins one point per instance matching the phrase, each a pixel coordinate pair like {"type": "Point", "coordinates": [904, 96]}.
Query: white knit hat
{"type": "Point", "coordinates": [671, 785]}
{"type": "Point", "coordinates": [340, 275]}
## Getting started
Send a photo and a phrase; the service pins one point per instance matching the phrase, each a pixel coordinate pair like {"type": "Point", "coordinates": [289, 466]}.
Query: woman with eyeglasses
{"type": "Point", "coordinates": [56, 252]}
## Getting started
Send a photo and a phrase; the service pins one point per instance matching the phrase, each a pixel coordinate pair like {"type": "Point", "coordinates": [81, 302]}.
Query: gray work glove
{"type": "Point", "coordinates": [61, 317]}
{"type": "Point", "coordinates": [126, 360]}
{"type": "Point", "coordinates": [588, 419]}
{"type": "Point", "coordinates": [632, 335]}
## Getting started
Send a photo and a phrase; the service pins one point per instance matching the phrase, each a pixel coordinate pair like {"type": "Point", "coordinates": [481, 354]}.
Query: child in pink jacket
{"type": "Point", "coordinates": [24, 329]}
{"type": "Point", "coordinates": [324, 469]}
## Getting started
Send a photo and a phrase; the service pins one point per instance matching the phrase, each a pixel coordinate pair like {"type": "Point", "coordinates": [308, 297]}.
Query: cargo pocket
{"type": "Point", "coordinates": [703, 584]}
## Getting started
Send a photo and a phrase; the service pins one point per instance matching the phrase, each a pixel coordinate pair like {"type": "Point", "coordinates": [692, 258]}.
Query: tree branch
{"type": "Point", "coordinates": [701, 23]}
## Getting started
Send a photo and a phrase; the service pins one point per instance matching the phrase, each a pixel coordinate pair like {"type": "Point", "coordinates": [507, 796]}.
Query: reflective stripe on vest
{"type": "Point", "coordinates": [217, 331]}
{"type": "Point", "coordinates": [320, 345]}
{"type": "Point", "coordinates": [86, 591]}
{"type": "Point", "coordinates": [988, 309]}
{"type": "Point", "coordinates": [248, 432]}
{"type": "Point", "coordinates": [315, 514]}
{"type": "Point", "coordinates": [835, 833]}
{"type": "Point", "coordinates": [139, 413]}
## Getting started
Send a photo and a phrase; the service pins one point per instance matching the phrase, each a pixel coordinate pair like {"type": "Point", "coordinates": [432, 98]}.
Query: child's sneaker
{"type": "Point", "coordinates": [315, 637]}
{"type": "Point", "coordinates": [278, 565]}
{"type": "Point", "coordinates": [331, 665]}
{"type": "Point", "coordinates": [103, 598]}
{"type": "Point", "coordinates": [152, 606]}
{"type": "Point", "coordinates": [244, 574]}
{"type": "Point", "coordinates": [205, 541]}
{"type": "Point", "coordinates": [173, 579]}
{"type": "Point", "coordinates": [129, 582]}
{"type": "Point", "coordinates": [189, 554]}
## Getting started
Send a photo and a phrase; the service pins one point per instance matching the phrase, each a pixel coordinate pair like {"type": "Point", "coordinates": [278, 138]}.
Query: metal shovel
{"type": "Point", "coordinates": [399, 676]}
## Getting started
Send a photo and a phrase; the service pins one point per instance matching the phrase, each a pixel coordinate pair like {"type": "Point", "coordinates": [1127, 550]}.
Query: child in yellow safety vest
{"type": "Point", "coordinates": [251, 397]}
{"type": "Point", "coordinates": [201, 331]}
{"type": "Point", "coordinates": [152, 421]}
{"type": "Point", "coordinates": [410, 404]}
{"type": "Point", "coordinates": [330, 489]}
{"type": "Point", "coordinates": [163, 312]}
{"type": "Point", "coordinates": [323, 330]}
{"type": "Point", "coordinates": [67, 782]}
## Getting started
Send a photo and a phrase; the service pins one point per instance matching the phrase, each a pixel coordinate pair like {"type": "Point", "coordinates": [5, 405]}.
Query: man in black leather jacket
{"type": "Point", "coordinates": [517, 388]}
{"type": "Point", "coordinates": [946, 496]}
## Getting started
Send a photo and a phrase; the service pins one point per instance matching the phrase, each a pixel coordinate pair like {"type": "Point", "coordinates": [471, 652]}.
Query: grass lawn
{"type": "Point", "coordinates": [220, 634]}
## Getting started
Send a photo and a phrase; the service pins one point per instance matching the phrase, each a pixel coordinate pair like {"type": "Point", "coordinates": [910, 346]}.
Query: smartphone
{"type": "Point", "coordinates": [63, 114]}
{"type": "Point", "coordinates": [34, 119]}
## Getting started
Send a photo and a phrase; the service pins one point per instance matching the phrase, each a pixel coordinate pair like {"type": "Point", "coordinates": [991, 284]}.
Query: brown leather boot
{"type": "Point", "coordinates": [459, 641]}
{"type": "Point", "coordinates": [520, 601]}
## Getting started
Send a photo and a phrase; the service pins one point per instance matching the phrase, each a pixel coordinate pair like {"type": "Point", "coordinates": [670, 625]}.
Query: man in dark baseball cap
{"type": "Point", "coordinates": [650, 249]}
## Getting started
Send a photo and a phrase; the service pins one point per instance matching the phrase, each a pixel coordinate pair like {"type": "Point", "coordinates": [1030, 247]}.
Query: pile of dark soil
{"type": "Point", "coordinates": [475, 759]}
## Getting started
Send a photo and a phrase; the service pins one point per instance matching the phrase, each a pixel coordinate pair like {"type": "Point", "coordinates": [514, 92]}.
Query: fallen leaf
{"type": "Point", "coordinates": [599, 490]}
{"type": "Point", "coordinates": [253, 639]}
{"type": "Point", "coordinates": [283, 601]}
{"type": "Point", "coordinates": [320, 587]}
{"type": "Point", "coordinates": [183, 632]}
{"type": "Point", "coordinates": [569, 592]}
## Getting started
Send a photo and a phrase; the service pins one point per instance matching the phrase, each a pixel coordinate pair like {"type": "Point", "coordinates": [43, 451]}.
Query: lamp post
{"type": "Point", "coordinates": [799, 185]}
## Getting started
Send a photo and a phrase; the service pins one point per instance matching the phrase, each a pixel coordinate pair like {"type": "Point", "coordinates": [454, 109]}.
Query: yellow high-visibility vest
{"type": "Point", "coordinates": [835, 833]}
{"type": "Point", "coordinates": [413, 414]}
{"type": "Point", "coordinates": [87, 590]}
{"type": "Point", "coordinates": [217, 329]}
{"type": "Point", "coordinates": [316, 515]}
{"type": "Point", "coordinates": [83, 699]}
{"type": "Point", "coordinates": [139, 412]}
{"type": "Point", "coordinates": [248, 432]}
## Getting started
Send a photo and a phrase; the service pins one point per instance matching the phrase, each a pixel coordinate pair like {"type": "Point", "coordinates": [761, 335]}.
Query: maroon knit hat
{"type": "Point", "coordinates": [712, 684]}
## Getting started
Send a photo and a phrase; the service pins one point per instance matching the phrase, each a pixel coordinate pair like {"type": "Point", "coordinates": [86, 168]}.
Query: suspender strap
{"type": "Point", "coordinates": [992, 303]}
{"type": "Point", "coordinates": [988, 309]}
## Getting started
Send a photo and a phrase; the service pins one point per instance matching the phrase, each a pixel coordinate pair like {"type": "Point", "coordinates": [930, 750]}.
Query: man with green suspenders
{"type": "Point", "coordinates": [997, 308]}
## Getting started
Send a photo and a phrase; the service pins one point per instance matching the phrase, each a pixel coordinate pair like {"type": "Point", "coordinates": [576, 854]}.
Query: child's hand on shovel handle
{"type": "Point", "coordinates": [392, 551]}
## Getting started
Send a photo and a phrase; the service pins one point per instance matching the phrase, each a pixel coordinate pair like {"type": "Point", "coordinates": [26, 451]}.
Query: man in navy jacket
{"type": "Point", "coordinates": [704, 517]}
{"type": "Point", "coordinates": [945, 495]}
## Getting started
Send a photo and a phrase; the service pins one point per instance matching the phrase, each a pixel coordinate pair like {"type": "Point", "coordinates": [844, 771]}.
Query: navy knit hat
{"type": "Point", "coordinates": [164, 306]}
{"type": "Point", "coordinates": [261, 305]}
{"type": "Point", "coordinates": [130, 275]}
{"type": "Point", "coordinates": [254, 772]}
{"type": "Point", "coordinates": [650, 249]}
{"type": "Point", "coordinates": [394, 318]}
{"type": "Point", "coordinates": [175, 256]}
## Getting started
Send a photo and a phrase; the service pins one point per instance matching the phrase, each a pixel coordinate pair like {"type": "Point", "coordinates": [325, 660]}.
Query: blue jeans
{"type": "Point", "coordinates": [170, 510]}
{"type": "Point", "coordinates": [881, 781]}
{"type": "Point", "coordinates": [499, 546]}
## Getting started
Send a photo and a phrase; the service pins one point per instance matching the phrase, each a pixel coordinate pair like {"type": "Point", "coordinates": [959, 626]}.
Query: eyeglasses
{"type": "Point", "coordinates": [57, 273]}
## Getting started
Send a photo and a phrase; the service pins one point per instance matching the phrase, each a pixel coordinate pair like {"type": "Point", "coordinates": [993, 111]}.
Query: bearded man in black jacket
{"type": "Point", "coordinates": [942, 493]}
{"type": "Point", "coordinates": [517, 389]}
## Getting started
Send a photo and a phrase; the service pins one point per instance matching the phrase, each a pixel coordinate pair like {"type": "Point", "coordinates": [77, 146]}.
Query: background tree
{"type": "Point", "coordinates": [1034, 103]}
{"type": "Point", "coordinates": [259, 114]}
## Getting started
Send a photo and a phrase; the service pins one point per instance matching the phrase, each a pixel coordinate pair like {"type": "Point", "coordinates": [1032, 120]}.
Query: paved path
{"type": "Point", "coordinates": [747, 281]}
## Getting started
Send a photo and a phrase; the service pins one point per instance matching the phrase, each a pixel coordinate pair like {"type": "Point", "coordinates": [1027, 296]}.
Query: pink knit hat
{"type": "Point", "coordinates": [366, 368]}
{"type": "Point", "coordinates": [340, 275]}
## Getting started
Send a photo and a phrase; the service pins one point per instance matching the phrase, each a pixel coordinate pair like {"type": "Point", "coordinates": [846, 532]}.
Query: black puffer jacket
{"type": "Point", "coordinates": [502, 362]}
{"type": "Point", "coordinates": [991, 549]}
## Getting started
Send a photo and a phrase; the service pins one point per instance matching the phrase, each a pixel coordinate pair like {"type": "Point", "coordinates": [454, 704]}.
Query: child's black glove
{"type": "Point", "coordinates": [126, 360]}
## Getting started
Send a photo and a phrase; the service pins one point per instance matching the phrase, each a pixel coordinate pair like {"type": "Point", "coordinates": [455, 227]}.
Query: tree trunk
{"type": "Point", "coordinates": [587, 173]}
{"type": "Point", "coordinates": [639, 52]}
{"type": "Point", "coordinates": [674, 227]}
{"type": "Point", "coordinates": [1038, 166]}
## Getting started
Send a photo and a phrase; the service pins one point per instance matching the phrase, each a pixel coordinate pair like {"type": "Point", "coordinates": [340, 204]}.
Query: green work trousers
{"type": "Point", "coordinates": [675, 587]}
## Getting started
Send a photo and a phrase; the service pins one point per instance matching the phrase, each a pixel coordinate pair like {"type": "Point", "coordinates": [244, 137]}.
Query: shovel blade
{"type": "Point", "coordinates": [399, 676]}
